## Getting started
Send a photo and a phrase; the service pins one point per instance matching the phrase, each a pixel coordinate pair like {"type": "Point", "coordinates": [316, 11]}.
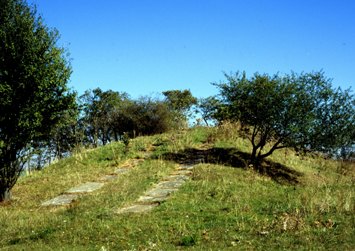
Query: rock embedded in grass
{"type": "Point", "coordinates": [61, 200]}
{"type": "Point", "coordinates": [86, 187]}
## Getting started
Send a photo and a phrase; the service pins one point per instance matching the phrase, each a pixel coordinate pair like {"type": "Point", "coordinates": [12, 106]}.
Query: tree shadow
{"type": "Point", "coordinates": [234, 158]}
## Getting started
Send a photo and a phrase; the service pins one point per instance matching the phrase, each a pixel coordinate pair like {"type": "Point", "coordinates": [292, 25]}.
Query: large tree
{"type": "Point", "coordinates": [34, 72]}
{"type": "Point", "coordinates": [180, 102]}
{"type": "Point", "coordinates": [302, 111]}
{"type": "Point", "coordinates": [145, 116]}
{"type": "Point", "coordinates": [99, 108]}
{"type": "Point", "coordinates": [209, 108]}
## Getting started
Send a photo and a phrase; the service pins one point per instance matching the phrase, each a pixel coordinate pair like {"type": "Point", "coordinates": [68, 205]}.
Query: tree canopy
{"type": "Point", "coordinates": [34, 73]}
{"type": "Point", "coordinates": [99, 108]}
{"type": "Point", "coordinates": [208, 108]}
{"type": "Point", "coordinates": [180, 102]}
{"type": "Point", "coordinates": [301, 111]}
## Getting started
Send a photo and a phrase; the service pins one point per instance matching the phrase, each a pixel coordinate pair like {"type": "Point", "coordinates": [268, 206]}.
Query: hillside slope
{"type": "Point", "coordinates": [296, 203]}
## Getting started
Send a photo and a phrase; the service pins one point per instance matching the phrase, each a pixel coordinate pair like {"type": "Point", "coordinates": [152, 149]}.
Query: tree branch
{"type": "Point", "coordinates": [275, 147]}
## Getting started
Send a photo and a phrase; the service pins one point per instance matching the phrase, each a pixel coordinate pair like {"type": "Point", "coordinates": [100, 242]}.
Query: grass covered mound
{"type": "Point", "coordinates": [294, 202]}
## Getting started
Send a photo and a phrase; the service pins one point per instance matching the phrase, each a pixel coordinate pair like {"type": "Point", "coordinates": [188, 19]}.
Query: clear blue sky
{"type": "Point", "coordinates": [144, 47]}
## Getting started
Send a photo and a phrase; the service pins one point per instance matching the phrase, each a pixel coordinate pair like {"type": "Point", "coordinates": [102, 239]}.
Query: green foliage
{"type": "Point", "coordinates": [108, 115]}
{"type": "Point", "coordinates": [208, 108]}
{"type": "Point", "coordinates": [144, 116]}
{"type": "Point", "coordinates": [99, 111]}
{"type": "Point", "coordinates": [33, 77]}
{"type": "Point", "coordinates": [126, 140]}
{"type": "Point", "coordinates": [66, 135]}
{"type": "Point", "coordinates": [180, 102]}
{"type": "Point", "coordinates": [149, 117]}
{"type": "Point", "coordinates": [300, 111]}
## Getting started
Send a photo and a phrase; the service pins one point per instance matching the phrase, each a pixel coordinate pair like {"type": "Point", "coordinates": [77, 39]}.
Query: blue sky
{"type": "Point", "coordinates": [144, 47]}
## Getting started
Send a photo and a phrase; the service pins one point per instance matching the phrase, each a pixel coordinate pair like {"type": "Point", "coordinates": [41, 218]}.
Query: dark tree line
{"type": "Point", "coordinates": [106, 115]}
{"type": "Point", "coordinates": [100, 117]}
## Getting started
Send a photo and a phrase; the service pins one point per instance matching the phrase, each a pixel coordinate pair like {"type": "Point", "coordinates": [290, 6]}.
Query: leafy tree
{"type": "Point", "coordinates": [298, 110]}
{"type": "Point", "coordinates": [90, 120]}
{"type": "Point", "coordinates": [209, 109]}
{"type": "Point", "coordinates": [33, 76]}
{"type": "Point", "coordinates": [144, 116]}
{"type": "Point", "coordinates": [66, 135]}
{"type": "Point", "coordinates": [123, 119]}
{"type": "Point", "coordinates": [151, 116]}
{"type": "Point", "coordinates": [62, 139]}
{"type": "Point", "coordinates": [180, 102]}
{"type": "Point", "coordinates": [99, 108]}
{"type": "Point", "coordinates": [109, 115]}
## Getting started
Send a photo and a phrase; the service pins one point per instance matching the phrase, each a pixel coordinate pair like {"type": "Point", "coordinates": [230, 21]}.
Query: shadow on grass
{"type": "Point", "coordinates": [234, 158]}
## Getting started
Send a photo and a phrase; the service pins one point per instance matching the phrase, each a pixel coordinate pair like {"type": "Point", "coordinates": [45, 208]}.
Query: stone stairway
{"type": "Point", "coordinates": [152, 198]}
{"type": "Point", "coordinates": [160, 192]}
{"type": "Point", "coordinates": [73, 194]}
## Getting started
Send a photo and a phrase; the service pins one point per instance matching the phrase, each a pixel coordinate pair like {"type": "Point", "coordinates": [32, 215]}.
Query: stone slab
{"type": "Point", "coordinates": [176, 177]}
{"type": "Point", "coordinates": [108, 177]}
{"type": "Point", "coordinates": [160, 192]}
{"type": "Point", "coordinates": [61, 200]}
{"type": "Point", "coordinates": [86, 187]}
{"type": "Point", "coordinates": [186, 167]}
{"type": "Point", "coordinates": [150, 199]}
{"type": "Point", "coordinates": [138, 208]}
{"type": "Point", "coordinates": [121, 170]}
{"type": "Point", "coordinates": [170, 184]}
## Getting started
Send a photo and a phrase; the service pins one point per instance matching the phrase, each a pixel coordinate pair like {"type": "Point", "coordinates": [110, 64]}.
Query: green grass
{"type": "Point", "coordinates": [220, 208]}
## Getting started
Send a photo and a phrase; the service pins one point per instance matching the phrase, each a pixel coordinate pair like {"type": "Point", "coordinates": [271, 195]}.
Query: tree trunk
{"type": "Point", "coordinates": [10, 169]}
{"type": "Point", "coordinates": [206, 122]}
{"type": "Point", "coordinates": [115, 134]}
{"type": "Point", "coordinates": [5, 194]}
{"type": "Point", "coordinates": [253, 159]}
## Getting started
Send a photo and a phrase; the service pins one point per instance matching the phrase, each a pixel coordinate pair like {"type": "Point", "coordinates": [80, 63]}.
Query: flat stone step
{"type": "Point", "coordinates": [160, 192]}
{"type": "Point", "coordinates": [149, 199]}
{"type": "Point", "coordinates": [170, 184]}
{"type": "Point", "coordinates": [73, 193]}
{"type": "Point", "coordinates": [186, 167]}
{"type": "Point", "coordinates": [176, 177]}
{"type": "Point", "coordinates": [122, 170]}
{"type": "Point", "coordinates": [108, 177]}
{"type": "Point", "coordinates": [86, 187]}
{"type": "Point", "coordinates": [138, 208]}
{"type": "Point", "coordinates": [61, 200]}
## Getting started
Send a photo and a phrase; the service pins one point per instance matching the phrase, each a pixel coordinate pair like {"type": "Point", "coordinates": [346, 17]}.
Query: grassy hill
{"type": "Point", "coordinates": [298, 202]}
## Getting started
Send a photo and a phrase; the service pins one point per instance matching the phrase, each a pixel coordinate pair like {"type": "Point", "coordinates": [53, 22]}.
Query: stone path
{"type": "Point", "coordinates": [152, 198]}
{"type": "Point", "coordinates": [161, 191]}
{"type": "Point", "coordinates": [74, 193]}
